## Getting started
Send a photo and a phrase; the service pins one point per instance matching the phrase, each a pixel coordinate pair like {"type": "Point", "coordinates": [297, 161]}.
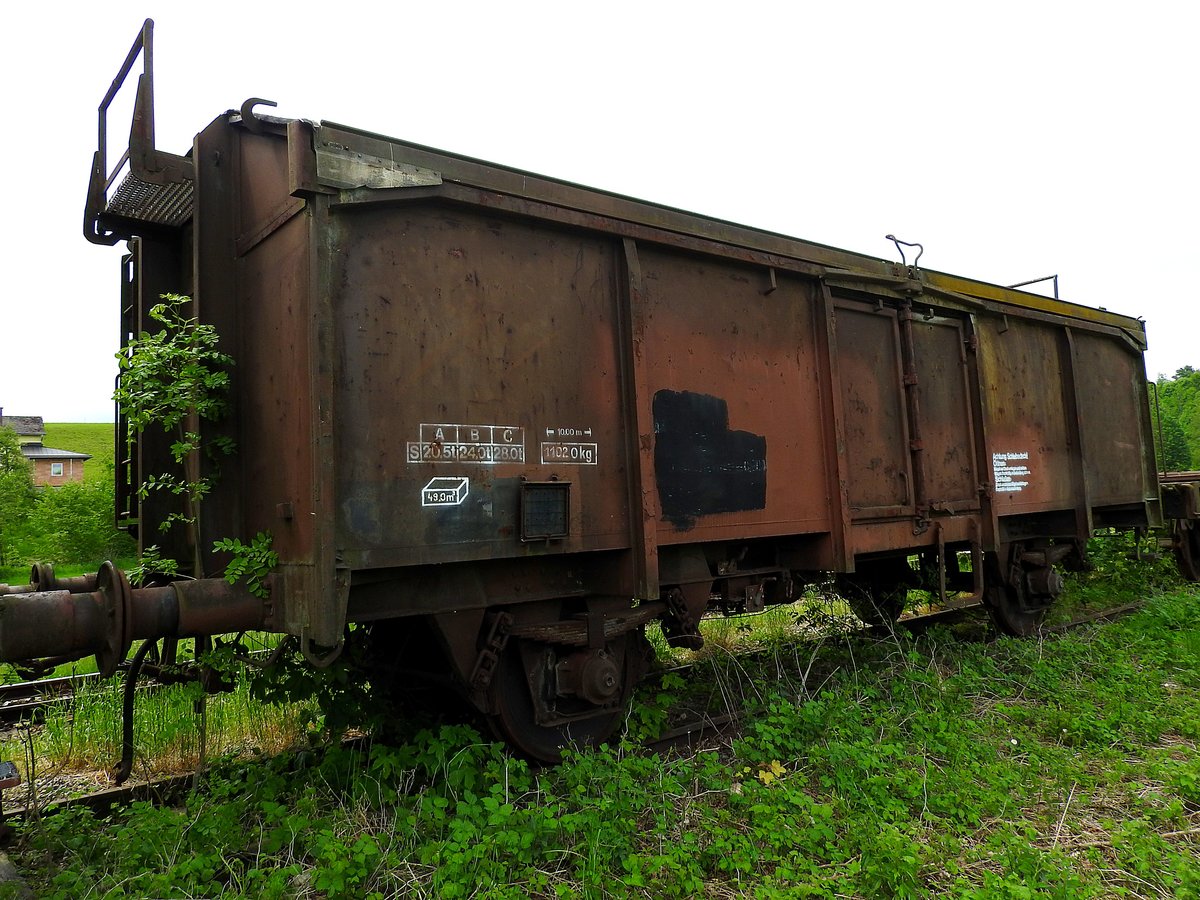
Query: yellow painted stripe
{"type": "Point", "coordinates": [1012, 297]}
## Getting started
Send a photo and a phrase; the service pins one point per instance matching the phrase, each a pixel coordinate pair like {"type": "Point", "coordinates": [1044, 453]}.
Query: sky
{"type": "Point", "coordinates": [1013, 140]}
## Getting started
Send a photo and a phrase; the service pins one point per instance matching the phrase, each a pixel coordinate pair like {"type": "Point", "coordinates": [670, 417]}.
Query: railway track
{"type": "Point", "coordinates": [689, 733]}
{"type": "Point", "coordinates": [28, 700]}
{"type": "Point", "coordinates": [25, 700]}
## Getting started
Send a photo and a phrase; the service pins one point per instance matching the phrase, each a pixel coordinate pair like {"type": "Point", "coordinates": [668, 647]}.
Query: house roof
{"type": "Point", "coordinates": [37, 451]}
{"type": "Point", "coordinates": [24, 425]}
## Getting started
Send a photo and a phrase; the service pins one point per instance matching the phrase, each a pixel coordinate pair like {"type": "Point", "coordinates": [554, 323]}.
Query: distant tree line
{"type": "Point", "coordinates": [68, 524]}
{"type": "Point", "coordinates": [1176, 417]}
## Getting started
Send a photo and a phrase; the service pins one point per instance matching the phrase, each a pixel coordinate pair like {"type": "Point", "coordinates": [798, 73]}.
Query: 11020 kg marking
{"type": "Point", "coordinates": [570, 454]}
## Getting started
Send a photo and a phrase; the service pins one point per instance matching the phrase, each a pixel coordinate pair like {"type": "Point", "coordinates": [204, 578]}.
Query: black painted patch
{"type": "Point", "coordinates": [701, 466]}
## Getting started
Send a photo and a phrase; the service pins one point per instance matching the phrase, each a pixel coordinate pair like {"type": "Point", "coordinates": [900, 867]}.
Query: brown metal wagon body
{"type": "Point", "coordinates": [517, 419]}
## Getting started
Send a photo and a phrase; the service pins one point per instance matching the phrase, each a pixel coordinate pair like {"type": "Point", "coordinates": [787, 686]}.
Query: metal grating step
{"type": "Point", "coordinates": [161, 204]}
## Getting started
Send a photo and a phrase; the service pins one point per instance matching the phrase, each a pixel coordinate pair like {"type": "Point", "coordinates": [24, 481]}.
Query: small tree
{"type": "Point", "coordinates": [11, 458]}
{"type": "Point", "coordinates": [175, 378]}
{"type": "Point", "coordinates": [16, 495]}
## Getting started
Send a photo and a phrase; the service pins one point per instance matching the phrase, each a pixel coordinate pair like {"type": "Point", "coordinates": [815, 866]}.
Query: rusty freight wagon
{"type": "Point", "coordinates": [503, 422]}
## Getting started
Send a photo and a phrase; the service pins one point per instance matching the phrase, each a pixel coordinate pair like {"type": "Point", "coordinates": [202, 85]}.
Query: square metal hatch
{"type": "Point", "coordinates": [545, 510]}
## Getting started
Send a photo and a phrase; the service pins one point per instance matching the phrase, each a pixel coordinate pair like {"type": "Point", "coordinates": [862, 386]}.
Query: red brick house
{"type": "Point", "coordinates": [54, 467]}
{"type": "Point", "coordinates": [49, 467]}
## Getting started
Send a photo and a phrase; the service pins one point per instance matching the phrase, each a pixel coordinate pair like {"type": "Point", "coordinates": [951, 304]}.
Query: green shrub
{"type": "Point", "coordinates": [74, 524]}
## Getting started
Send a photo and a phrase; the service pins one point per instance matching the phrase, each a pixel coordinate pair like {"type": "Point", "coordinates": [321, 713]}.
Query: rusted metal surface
{"type": "Point", "coordinates": [42, 578]}
{"type": "Point", "coordinates": [1181, 507]}
{"type": "Point", "coordinates": [107, 620]}
{"type": "Point", "coordinates": [157, 189]}
{"type": "Point", "coordinates": [878, 460]}
{"type": "Point", "coordinates": [1181, 495]}
{"type": "Point", "coordinates": [501, 338]}
{"type": "Point", "coordinates": [1175, 477]}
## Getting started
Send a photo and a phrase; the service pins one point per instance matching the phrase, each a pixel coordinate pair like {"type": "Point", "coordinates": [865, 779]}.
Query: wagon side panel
{"type": "Point", "coordinates": [1119, 459]}
{"type": "Point", "coordinates": [477, 394]}
{"type": "Point", "coordinates": [1030, 446]}
{"type": "Point", "coordinates": [733, 378]}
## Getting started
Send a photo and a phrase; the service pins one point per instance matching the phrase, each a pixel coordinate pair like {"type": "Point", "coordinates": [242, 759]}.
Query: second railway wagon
{"type": "Point", "coordinates": [506, 422]}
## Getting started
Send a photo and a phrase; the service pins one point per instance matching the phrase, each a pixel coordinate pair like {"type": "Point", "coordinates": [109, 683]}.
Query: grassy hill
{"type": "Point", "coordinates": [95, 438]}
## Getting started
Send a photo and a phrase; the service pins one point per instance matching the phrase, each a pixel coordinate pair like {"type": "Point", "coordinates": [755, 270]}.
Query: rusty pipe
{"type": "Point", "coordinates": [107, 620]}
{"type": "Point", "coordinates": [214, 606]}
{"type": "Point", "coordinates": [48, 623]}
{"type": "Point", "coordinates": [42, 578]}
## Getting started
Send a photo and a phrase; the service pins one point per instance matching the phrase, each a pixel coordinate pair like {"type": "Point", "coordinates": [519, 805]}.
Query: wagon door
{"type": "Point", "coordinates": [878, 466]}
{"type": "Point", "coordinates": [909, 433]}
{"type": "Point", "coordinates": [946, 450]}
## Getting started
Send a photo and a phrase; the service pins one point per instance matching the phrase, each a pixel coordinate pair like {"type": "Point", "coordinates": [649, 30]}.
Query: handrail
{"type": "Point", "coordinates": [145, 161]}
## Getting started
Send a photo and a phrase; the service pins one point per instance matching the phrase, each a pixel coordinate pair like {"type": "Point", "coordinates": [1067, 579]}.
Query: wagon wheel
{"type": "Point", "coordinates": [1007, 591]}
{"type": "Point", "coordinates": [1009, 614]}
{"type": "Point", "coordinates": [877, 591]}
{"type": "Point", "coordinates": [1187, 550]}
{"type": "Point", "coordinates": [514, 720]}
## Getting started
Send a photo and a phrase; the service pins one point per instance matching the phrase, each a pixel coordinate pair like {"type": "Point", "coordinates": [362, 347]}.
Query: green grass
{"type": "Point", "coordinates": [80, 737]}
{"type": "Point", "coordinates": [166, 732]}
{"type": "Point", "coordinates": [85, 437]}
{"type": "Point", "coordinates": [1067, 766]}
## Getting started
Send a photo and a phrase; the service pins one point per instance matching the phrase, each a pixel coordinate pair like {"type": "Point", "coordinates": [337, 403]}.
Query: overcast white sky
{"type": "Point", "coordinates": [1013, 140]}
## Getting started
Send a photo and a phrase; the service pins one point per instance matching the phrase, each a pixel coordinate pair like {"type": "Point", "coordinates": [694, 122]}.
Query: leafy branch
{"type": "Point", "coordinates": [253, 561]}
{"type": "Point", "coordinates": [175, 373]}
{"type": "Point", "coordinates": [176, 378]}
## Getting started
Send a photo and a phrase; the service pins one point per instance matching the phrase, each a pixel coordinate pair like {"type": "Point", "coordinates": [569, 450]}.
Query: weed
{"type": "Point", "coordinates": [74, 737]}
